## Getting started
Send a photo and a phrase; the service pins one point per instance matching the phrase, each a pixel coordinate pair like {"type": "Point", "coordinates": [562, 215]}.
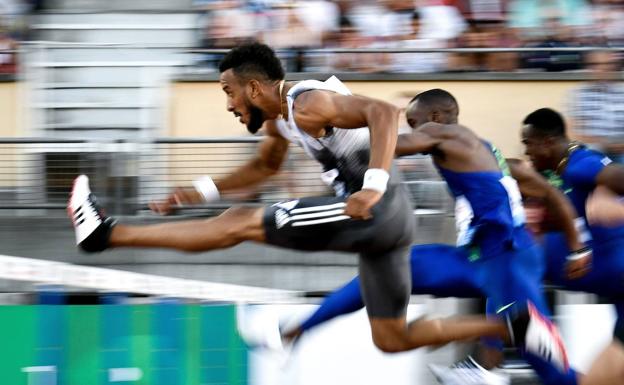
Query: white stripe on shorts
{"type": "Point", "coordinates": [318, 208]}
{"type": "Point", "coordinates": [319, 221]}
{"type": "Point", "coordinates": [316, 215]}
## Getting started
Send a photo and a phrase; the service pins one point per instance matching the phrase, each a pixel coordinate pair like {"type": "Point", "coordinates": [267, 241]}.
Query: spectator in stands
{"type": "Point", "coordinates": [418, 62]}
{"type": "Point", "coordinates": [485, 34]}
{"type": "Point", "coordinates": [291, 34]}
{"type": "Point", "coordinates": [530, 16]}
{"type": "Point", "coordinates": [597, 107]}
{"type": "Point", "coordinates": [8, 61]}
{"type": "Point", "coordinates": [351, 37]}
{"type": "Point", "coordinates": [226, 24]}
{"type": "Point", "coordinates": [439, 20]}
{"type": "Point", "coordinates": [478, 10]}
{"type": "Point", "coordinates": [607, 25]}
{"type": "Point", "coordinates": [555, 34]}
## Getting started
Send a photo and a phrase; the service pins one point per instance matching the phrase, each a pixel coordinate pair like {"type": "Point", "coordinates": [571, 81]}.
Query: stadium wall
{"type": "Point", "coordinates": [494, 109]}
{"type": "Point", "coordinates": [10, 109]}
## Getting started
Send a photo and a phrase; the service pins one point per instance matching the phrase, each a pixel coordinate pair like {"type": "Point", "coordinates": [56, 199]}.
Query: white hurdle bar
{"type": "Point", "coordinates": [110, 280]}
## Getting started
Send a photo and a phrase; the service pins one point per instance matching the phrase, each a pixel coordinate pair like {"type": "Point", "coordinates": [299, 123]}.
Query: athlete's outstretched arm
{"type": "Point", "coordinates": [604, 207]}
{"type": "Point", "coordinates": [612, 177]}
{"type": "Point", "coordinates": [415, 143]}
{"type": "Point", "coordinates": [267, 162]}
{"type": "Point", "coordinates": [532, 184]}
{"type": "Point", "coordinates": [314, 111]}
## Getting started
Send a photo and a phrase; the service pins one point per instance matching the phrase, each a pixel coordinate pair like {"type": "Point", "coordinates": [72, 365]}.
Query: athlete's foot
{"type": "Point", "coordinates": [468, 372]}
{"type": "Point", "coordinates": [292, 336]}
{"type": "Point", "coordinates": [258, 329]}
{"type": "Point", "coordinates": [537, 335]}
{"type": "Point", "coordinates": [91, 226]}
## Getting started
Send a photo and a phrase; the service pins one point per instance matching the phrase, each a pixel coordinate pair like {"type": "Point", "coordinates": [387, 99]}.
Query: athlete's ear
{"type": "Point", "coordinates": [434, 116]}
{"type": "Point", "coordinates": [549, 140]}
{"type": "Point", "coordinates": [254, 88]}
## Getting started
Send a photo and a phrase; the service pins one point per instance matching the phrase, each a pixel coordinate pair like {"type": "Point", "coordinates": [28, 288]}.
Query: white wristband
{"type": "Point", "coordinates": [207, 188]}
{"type": "Point", "coordinates": [579, 254]}
{"type": "Point", "coordinates": [376, 179]}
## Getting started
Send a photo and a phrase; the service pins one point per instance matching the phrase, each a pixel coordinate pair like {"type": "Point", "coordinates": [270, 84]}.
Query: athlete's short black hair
{"type": "Point", "coordinates": [437, 98]}
{"type": "Point", "coordinates": [251, 60]}
{"type": "Point", "coordinates": [546, 122]}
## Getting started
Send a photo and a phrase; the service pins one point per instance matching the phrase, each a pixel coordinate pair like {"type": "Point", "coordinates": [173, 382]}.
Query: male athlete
{"type": "Point", "coordinates": [580, 172]}
{"type": "Point", "coordinates": [354, 138]}
{"type": "Point", "coordinates": [495, 256]}
{"type": "Point", "coordinates": [593, 184]}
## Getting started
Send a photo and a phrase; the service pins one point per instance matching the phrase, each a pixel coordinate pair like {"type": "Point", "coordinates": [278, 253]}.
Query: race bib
{"type": "Point", "coordinates": [463, 219]}
{"type": "Point", "coordinates": [515, 200]}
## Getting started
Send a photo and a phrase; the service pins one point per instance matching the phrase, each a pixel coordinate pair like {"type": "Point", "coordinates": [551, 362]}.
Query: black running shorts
{"type": "Point", "coordinates": [383, 242]}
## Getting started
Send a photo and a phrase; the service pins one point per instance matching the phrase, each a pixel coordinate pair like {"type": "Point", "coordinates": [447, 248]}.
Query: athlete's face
{"type": "Point", "coordinates": [538, 148]}
{"type": "Point", "coordinates": [417, 115]}
{"type": "Point", "coordinates": [240, 100]}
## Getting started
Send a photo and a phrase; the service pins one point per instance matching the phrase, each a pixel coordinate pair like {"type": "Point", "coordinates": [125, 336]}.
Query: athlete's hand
{"type": "Point", "coordinates": [577, 268]}
{"type": "Point", "coordinates": [179, 197]}
{"type": "Point", "coordinates": [360, 203]}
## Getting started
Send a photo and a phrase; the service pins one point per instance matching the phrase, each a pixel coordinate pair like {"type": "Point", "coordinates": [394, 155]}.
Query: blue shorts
{"type": "Point", "coordinates": [512, 276]}
{"type": "Point", "coordinates": [606, 277]}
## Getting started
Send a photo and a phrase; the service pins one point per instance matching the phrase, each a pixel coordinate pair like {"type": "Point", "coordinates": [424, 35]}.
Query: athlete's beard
{"type": "Point", "coordinates": [256, 118]}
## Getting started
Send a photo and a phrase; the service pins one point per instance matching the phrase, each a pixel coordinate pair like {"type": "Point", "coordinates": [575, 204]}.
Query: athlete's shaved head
{"type": "Point", "coordinates": [435, 105]}
{"type": "Point", "coordinates": [253, 61]}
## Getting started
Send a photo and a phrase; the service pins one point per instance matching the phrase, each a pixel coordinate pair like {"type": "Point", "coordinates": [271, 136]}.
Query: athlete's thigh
{"type": "Point", "coordinates": [319, 223]}
{"type": "Point", "coordinates": [618, 332]}
{"type": "Point", "coordinates": [515, 277]}
{"type": "Point", "coordinates": [311, 223]}
{"type": "Point", "coordinates": [385, 281]}
{"type": "Point", "coordinates": [444, 271]}
{"type": "Point", "coordinates": [608, 368]}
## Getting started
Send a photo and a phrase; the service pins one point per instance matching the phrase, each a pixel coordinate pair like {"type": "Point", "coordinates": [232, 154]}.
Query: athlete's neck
{"type": "Point", "coordinates": [282, 90]}
{"type": "Point", "coordinates": [560, 152]}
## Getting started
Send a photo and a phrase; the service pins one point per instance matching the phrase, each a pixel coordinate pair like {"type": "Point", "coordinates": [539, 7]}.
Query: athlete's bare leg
{"type": "Point", "coordinates": [394, 335]}
{"type": "Point", "coordinates": [608, 368]}
{"type": "Point", "coordinates": [235, 225]}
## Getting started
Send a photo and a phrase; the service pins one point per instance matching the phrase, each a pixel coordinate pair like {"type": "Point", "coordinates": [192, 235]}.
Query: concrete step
{"type": "Point", "coordinates": [118, 5]}
{"type": "Point", "coordinates": [94, 75]}
{"type": "Point", "coordinates": [120, 96]}
{"type": "Point", "coordinates": [93, 117]}
{"type": "Point", "coordinates": [113, 19]}
{"type": "Point", "coordinates": [117, 54]}
{"type": "Point", "coordinates": [121, 36]}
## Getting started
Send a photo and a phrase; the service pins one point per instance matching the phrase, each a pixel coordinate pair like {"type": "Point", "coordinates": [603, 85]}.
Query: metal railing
{"type": "Point", "coordinates": [37, 173]}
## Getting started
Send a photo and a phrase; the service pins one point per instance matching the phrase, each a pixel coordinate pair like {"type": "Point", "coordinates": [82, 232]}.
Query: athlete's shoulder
{"type": "Point", "coordinates": [585, 154]}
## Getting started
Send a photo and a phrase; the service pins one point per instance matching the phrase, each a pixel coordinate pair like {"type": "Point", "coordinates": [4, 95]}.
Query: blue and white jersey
{"type": "Point", "coordinates": [488, 209]}
{"type": "Point", "coordinates": [577, 181]}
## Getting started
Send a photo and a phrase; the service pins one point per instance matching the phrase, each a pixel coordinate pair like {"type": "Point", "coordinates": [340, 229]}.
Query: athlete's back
{"type": "Point", "coordinates": [578, 180]}
{"type": "Point", "coordinates": [488, 207]}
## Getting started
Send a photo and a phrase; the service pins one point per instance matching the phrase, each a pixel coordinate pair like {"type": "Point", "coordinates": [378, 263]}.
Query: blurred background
{"type": "Point", "coordinates": [127, 92]}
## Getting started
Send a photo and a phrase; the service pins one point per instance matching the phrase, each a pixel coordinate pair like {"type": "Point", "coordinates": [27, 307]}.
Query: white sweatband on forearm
{"type": "Point", "coordinates": [376, 179]}
{"type": "Point", "coordinates": [579, 254]}
{"type": "Point", "coordinates": [207, 188]}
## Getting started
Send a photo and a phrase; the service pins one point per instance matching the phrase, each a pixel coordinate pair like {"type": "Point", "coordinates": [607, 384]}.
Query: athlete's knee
{"type": "Point", "coordinates": [246, 222]}
{"type": "Point", "coordinates": [388, 336]}
{"type": "Point", "coordinates": [389, 344]}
